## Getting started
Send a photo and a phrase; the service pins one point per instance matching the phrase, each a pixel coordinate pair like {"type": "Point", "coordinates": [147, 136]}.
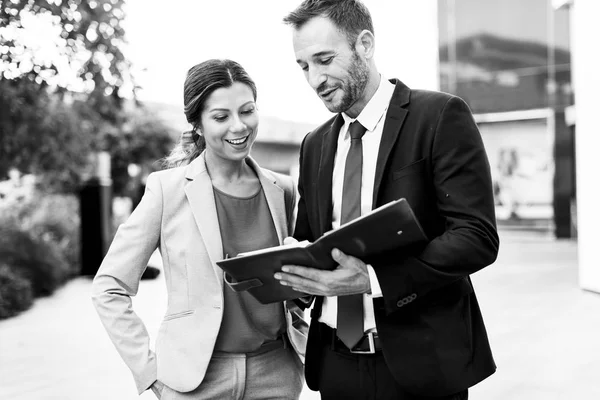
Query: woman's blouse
{"type": "Point", "coordinates": [246, 224]}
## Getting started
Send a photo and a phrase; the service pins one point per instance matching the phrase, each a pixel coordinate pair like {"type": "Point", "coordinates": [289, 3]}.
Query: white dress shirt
{"type": "Point", "coordinates": [372, 118]}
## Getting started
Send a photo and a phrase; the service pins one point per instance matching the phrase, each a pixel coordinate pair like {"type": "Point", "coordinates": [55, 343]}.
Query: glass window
{"type": "Point", "coordinates": [505, 55]}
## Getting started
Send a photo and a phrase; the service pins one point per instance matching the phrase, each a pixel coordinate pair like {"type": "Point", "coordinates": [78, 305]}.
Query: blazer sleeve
{"type": "Point", "coordinates": [302, 229]}
{"type": "Point", "coordinates": [118, 280]}
{"type": "Point", "coordinates": [465, 204]}
{"type": "Point", "coordinates": [301, 225]}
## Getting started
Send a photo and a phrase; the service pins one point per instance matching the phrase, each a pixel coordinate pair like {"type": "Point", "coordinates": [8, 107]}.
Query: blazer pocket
{"type": "Point", "coordinates": [416, 167]}
{"type": "Point", "coordinates": [169, 317]}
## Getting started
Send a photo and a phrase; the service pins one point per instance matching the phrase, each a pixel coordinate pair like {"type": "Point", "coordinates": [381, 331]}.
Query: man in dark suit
{"type": "Point", "coordinates": [420, 330]}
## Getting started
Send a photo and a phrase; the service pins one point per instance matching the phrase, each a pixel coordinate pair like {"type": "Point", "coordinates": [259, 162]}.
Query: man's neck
{"type": "Point", "coordinates": [368, 93]}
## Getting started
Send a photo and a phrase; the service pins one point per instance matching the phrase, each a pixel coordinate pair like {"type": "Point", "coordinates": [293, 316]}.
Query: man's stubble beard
{"type": "Point", "coordinates": [354, 86]}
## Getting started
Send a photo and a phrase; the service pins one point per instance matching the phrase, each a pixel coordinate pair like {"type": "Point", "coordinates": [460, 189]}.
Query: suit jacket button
{"type": "Point", "coordinates": [403, 302]}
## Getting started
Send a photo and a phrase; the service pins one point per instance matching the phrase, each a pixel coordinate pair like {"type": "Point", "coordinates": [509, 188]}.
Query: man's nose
{"type": "Point", "coordinates": [316, 78]}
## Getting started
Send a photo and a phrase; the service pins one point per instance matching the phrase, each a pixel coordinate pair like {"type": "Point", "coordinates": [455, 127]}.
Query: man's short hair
{"type": "Point", "coordinates": [350, 16]}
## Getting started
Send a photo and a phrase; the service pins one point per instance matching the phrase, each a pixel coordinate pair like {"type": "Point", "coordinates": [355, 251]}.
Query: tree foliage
{"type": "Point", "coordinates": [87, 46]}
{"type": "Point", "coordinates": [143, 140]}
{"type": "Point", "coordinates": [63, 83]}
{"type": "Point", "coordinates": [42, 135]}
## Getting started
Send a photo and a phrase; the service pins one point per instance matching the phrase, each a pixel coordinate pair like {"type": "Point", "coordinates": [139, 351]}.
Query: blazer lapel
{"type": "Point", "coordinates": [328, 149]}
{"type": "Point", "coordinates": [199, 192]}
{"type": "Point", "coordinates": [391, 131]}
{"type": "Point", "coordinates": [275, 199]}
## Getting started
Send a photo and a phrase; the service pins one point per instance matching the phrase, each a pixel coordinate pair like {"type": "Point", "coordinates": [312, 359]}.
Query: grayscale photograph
{"type": "Point", "coordinates": [299, 200]}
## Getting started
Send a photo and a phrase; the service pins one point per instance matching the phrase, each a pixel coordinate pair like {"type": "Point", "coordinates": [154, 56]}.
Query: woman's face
{"type": "Point", "coordinates": [229, 122]}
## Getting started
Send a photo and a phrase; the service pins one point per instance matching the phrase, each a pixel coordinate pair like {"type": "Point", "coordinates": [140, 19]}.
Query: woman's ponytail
{"type": "Point", "coordinates": [189, 147]}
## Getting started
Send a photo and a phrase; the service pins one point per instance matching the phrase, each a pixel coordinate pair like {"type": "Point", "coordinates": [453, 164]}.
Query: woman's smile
{"type": "Point", "coordinates": [237, 142]}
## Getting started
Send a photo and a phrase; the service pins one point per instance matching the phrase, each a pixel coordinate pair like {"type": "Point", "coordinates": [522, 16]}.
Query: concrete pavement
{"type": "Point", "coordinates": [544, 330]}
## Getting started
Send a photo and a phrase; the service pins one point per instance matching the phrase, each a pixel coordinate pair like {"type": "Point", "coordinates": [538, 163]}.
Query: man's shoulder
{"type": "Point", "coordinates": [405, 95]}
{"type": "Point", "coordinates": [431, 102]}
{"type": "Point", "coordinates": [319, 131]}
{"type": "Point", "coordinates": [431, 96]}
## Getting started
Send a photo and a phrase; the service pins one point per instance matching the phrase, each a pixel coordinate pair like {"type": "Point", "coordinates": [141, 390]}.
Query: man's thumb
{"type": "Point", "coordinates": [289, 240]}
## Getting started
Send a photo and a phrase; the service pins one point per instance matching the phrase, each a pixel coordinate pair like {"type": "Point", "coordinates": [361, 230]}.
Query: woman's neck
{"type": "Point", "coordinates": [234, 177]}
{"type": "Point", "coordinates": [225, 170]}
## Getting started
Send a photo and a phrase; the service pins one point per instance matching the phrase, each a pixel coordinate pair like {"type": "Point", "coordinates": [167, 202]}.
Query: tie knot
{"type": "Point", "coordinates": [356, 130]}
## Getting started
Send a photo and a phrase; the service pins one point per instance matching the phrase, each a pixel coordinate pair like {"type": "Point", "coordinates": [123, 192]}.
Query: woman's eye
{"type": "Point", "coordinates": [248, 112]}
{"type": "Point", "coordinates": [220, 118]}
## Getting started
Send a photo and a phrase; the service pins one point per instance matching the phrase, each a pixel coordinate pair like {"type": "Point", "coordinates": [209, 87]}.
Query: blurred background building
{"type": "Point", "coordinates": [511, 62]}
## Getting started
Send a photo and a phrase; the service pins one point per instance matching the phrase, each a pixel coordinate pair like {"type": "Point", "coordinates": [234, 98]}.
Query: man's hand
{"type": "Point", "coordinates": [350, 277]}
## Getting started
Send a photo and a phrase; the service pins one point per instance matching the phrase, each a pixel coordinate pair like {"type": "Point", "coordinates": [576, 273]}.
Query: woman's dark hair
{"type": "Point", "coordinates": [201, 81]}
{"type": "Point", "coordinates": [350, 16]}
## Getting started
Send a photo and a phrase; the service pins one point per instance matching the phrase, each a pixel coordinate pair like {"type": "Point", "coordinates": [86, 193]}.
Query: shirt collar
{"type": "Point", "coordinates": [375, 108]}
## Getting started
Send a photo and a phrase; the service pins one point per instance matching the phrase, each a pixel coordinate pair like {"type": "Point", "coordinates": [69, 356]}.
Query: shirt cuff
{"type": "Point", "coordinates": [375, 288]}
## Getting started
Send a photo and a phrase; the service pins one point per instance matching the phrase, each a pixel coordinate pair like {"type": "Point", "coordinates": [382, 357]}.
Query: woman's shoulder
{"type": "Point", "coordinates": [167, 177]}
{"type": "Point", "coordinates": [170, 172]}
{"type": "Point", "coordinates": [286, 182]}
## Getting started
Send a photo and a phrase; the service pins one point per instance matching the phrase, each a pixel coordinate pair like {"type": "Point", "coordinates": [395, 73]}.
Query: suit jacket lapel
{"type": "Point", "coordinates": [200, 194]}
{"type": "Point", "coordinates": [275, 199]}
{"type": "Point", "coordinates": [391, 131]}
{"type": "Point", "coordinates": [328, 149]}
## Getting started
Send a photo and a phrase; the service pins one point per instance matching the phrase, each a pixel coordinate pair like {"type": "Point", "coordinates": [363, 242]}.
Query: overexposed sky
{"type": "Point", "coordinates": [167, 38]}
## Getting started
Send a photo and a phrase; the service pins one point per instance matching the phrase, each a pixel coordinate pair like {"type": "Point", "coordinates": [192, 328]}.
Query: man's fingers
{"type": "Point", "coordinates": [300, 284]}
{"type": "Point", "coordinates": [310, 273]}
{"type": "Point", "coordinates": [292, 279]}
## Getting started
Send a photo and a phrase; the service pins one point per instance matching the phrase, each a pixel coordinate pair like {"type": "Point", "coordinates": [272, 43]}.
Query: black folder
{"type": "Point", "coordinates": [390, 226]}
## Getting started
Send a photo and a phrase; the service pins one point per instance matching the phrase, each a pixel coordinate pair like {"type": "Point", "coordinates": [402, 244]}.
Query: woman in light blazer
{"type": "Point", "coordinates": [212, 202]}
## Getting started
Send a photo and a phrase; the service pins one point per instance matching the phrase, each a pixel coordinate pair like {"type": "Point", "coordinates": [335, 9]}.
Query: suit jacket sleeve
{"type": "Point", "coordinates": [301, 227]}
{"type": "Point", "coordinates": [118, 280]}
{"type": "Point", "coordinates": [465, 204]}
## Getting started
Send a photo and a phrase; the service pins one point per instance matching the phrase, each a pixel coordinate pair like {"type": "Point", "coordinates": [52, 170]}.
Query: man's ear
{"type": "Point", "coordinates": [365, 43]}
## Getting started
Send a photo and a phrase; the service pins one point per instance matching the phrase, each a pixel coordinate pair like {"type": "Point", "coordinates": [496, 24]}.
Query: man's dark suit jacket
{"type": "Point", "coordinates": [429, 322]}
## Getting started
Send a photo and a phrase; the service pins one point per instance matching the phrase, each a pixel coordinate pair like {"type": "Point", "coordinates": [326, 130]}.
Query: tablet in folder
{"type": "Point", "coordinates": [388, 227]}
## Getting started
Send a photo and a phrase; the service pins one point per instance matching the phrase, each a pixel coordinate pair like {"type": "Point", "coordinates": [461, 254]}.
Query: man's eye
{"type": "Point", "coordinates": [327, 60]}
{"type": "Point", "coordinates": [304, 67]}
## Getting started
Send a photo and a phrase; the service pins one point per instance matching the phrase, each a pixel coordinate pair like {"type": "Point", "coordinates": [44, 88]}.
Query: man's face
{"type": "Point", "coordinates": [331, 66]}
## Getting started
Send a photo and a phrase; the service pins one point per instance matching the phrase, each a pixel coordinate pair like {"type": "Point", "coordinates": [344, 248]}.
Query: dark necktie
{"type": "Point", "coordinates": [350, 324]}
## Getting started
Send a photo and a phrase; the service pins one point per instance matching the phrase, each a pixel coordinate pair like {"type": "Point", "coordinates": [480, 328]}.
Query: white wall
{"type": "Point", "coordinates": [586, 79]}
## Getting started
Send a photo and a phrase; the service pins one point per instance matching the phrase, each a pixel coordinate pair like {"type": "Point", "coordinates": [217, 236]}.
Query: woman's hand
{"type": "Point", "coordinates": [157, 388]}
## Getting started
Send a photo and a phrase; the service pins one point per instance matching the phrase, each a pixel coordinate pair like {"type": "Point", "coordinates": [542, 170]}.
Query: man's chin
{"type": "Point", "coordinates": [333, 107]}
